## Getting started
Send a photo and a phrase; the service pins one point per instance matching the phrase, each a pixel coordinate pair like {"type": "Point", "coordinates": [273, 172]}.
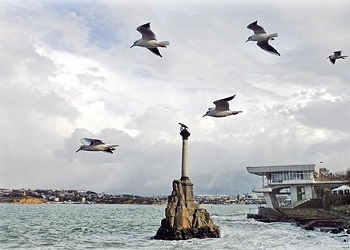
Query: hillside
{"type": "Point", "coordinates": [22, 200]}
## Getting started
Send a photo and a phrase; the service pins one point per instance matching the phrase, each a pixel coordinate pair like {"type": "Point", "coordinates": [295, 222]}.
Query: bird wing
{"type": "Point", "coordinates": [87, 141]}
{"type": "Point", "coordinates": [155, 51]}
{"type": "Point", "coordinates": [256, 28]}
{"type": "Point", "coordinates": [337, 53]}
{"type": "Point", "coordinates": [97, 142]}
{"type": "Point", "coordinates": [183, 125]}
{"type": "Point", "coordinates": [267, 47]}
{"type": "Point", "coordinates": [223, 104]}
{"type": "Point", "coordinates": [90, 142]}
{"type": "Point", "coordinates": [332, 60]}
{"type": "Point", "coordinates": [146, 32]}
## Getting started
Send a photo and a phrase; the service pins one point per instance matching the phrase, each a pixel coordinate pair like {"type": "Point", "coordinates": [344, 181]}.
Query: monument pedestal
{"type": "Point", "coordinates": [184, 219]}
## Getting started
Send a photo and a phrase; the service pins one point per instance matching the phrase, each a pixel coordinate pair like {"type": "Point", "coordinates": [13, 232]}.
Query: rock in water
{"type": "Point", "coordinates": [183, 217]}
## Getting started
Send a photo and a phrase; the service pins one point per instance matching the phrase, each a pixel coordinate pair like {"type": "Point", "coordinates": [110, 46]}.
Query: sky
{"type": "Point", "coordinates": [68, 72]}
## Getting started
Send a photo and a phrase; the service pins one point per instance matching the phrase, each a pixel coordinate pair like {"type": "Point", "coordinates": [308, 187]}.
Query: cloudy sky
{"type": "Point", "coordinates": [67, 72]}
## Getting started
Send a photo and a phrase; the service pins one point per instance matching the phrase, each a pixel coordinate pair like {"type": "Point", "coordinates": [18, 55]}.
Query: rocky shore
{"type": "Point", "coordinates": [335, 220]}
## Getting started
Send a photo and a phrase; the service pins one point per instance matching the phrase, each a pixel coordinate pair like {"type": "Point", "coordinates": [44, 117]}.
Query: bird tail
{"type": "Point", "coordinates": [164, 43]}
{"type": "Point", "coordinates": [273, 35]}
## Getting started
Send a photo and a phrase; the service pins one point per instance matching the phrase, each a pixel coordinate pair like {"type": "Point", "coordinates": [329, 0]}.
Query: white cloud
{"type": "Point", "coordinates": [68, 72]}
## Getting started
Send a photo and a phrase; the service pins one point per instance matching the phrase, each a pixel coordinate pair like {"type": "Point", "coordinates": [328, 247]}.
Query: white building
{"type": "Point", "coordinates": [343, 190]}
{"type": "Point", "coordinates": [298, 181]}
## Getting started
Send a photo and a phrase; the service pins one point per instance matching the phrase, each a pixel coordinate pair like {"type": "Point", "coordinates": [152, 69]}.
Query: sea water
{"type": "Point", "coordinates": [78, 226]}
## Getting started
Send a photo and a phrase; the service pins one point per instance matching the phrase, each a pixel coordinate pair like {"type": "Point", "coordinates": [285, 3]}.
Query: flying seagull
{"type": "Point", "coordinates": [149, 39]}
{"type": "Point", "coordinates": [336, 55]}
{"type": "Point", "coordinates": [95, 145]}
{"type": "Point", "coordinates": [183, 126]}
{"type": "Point", "coordinates": [222, 108]}
{"type": "Point", "coordinates": [262, 38]}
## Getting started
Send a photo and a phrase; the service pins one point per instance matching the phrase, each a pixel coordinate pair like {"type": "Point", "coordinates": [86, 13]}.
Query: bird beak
{"type": "Point", "coordinates": [77, 150]}
{"type": "Point", "coordinates": [132, 46]}
{"type": "Point", "coordinates": [204, 115]}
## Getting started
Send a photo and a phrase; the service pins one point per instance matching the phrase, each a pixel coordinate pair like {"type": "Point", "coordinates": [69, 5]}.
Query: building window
{"type": "Point", "coordinates": [279, 177]}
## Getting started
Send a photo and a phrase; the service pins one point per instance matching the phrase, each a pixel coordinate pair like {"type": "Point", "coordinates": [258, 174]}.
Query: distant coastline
{"type": "Point", "coordinates": [121, 200]}
{"type": "Point", "coordinates": [52, 196]}
{"type": "Point", "coordinates": [35, 200]}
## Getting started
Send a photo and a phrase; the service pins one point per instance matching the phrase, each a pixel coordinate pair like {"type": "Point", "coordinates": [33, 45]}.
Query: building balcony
{"type": "Point", "coordinates": [292, 182]}
{"type": "Point", "coordinates": [262, 190]}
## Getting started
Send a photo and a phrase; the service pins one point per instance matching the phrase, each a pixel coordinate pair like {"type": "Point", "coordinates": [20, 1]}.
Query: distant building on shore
{"type": "Point", "coordinates": [295, 181]}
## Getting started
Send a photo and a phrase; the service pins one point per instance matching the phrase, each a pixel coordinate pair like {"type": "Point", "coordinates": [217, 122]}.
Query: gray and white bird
{"type": "Point", "coordinates": [336, 55]}
{"type": "Point", "coordinates": [182, 126]}
{"type": "Point", "coordinates": [149, 39]}
{"type": "Point", "coordinates": [262, 38]}
{"type": "Point", "coordinates": [95, 145]}
{"type": "Point", "coordinates": [222, 108]}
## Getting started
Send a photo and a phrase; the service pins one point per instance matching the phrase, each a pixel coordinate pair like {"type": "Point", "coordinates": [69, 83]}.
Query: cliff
{"type": "Point", "coordinates": [23, 200]}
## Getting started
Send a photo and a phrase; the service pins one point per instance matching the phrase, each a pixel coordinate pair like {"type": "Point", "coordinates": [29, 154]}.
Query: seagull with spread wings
{"type": "Point", "coordinates": [262, 38]}
{"type": "Point", "coordinates": [222, 108]}
{"type": "Point", "coordinates": [95, 145]}
{"type": "Point", "coordinates": [149, 40]}
{"type": "Point", "coordinates": [336, 55]}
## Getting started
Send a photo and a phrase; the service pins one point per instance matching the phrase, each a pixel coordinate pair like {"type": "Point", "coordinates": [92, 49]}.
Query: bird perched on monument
{"type": "Point", "coordinates": [182, 126]}
{"type": "Point", "coordinates": [336, 55]}
{"type": "Point", "coordinates": [262, 38]}
{"type": "Point", "coordinates": [96, 145]}
{"type": "Point", "coordinates": [222, 108]}
{"type": "Point", "coordinates": [149, 39]}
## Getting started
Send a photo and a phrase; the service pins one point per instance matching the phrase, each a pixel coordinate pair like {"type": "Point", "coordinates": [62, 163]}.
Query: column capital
{"type": "Point", "coordinates": [185, 134]}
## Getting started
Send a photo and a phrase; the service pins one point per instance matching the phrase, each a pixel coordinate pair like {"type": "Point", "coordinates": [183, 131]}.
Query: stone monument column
{"type": "Point", "coordinates": [184, 219]}
{"type": "Point", "coordinates": [187, 185]}
{"type": "Point", "coordinates": [184, 166]}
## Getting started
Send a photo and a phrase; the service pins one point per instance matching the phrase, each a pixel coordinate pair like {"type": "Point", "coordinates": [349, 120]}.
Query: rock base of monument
{"type": "Point", "coordinates": [186, 233]}
{"type": "Point", "coordinates": [183, 217]}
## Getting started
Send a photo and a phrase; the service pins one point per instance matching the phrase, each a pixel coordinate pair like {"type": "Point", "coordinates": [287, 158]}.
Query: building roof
{"type": "Point", "coordinates": [343, 187]}
{"type": "Point", "coordinates": [263, 170]}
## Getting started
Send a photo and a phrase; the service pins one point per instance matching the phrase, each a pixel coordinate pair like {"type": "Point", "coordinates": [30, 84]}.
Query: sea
{"type": "Point", "coordinates": [99, 226]}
